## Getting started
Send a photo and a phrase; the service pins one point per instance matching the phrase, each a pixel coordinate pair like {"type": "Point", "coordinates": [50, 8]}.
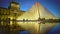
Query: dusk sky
{"type": "Point", "coordinates": [52, 5]}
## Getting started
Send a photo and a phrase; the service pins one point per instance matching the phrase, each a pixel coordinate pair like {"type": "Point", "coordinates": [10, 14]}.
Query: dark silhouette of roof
{"type": "Point", "coordinates": [15, 3]}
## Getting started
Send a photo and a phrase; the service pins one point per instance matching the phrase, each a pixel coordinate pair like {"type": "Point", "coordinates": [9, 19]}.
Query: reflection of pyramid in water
{"type": "Point", "coordinates": [33, 14]}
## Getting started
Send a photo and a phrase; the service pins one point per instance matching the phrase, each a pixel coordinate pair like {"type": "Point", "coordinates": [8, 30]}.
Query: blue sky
{"type": "Point", "coordinates": [52, 5]}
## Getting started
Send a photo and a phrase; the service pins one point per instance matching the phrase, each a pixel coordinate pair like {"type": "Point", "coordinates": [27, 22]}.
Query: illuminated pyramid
{"type": "Point", "coordinates": [33, 14]}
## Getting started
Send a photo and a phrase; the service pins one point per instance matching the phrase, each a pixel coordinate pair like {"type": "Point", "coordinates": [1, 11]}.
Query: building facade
{"type": "Point", "coordinates": [8, 17]}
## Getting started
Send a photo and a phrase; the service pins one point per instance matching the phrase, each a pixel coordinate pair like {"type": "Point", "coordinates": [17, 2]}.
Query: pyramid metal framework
{"type": "Point", "coordinates": [38, 14]}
